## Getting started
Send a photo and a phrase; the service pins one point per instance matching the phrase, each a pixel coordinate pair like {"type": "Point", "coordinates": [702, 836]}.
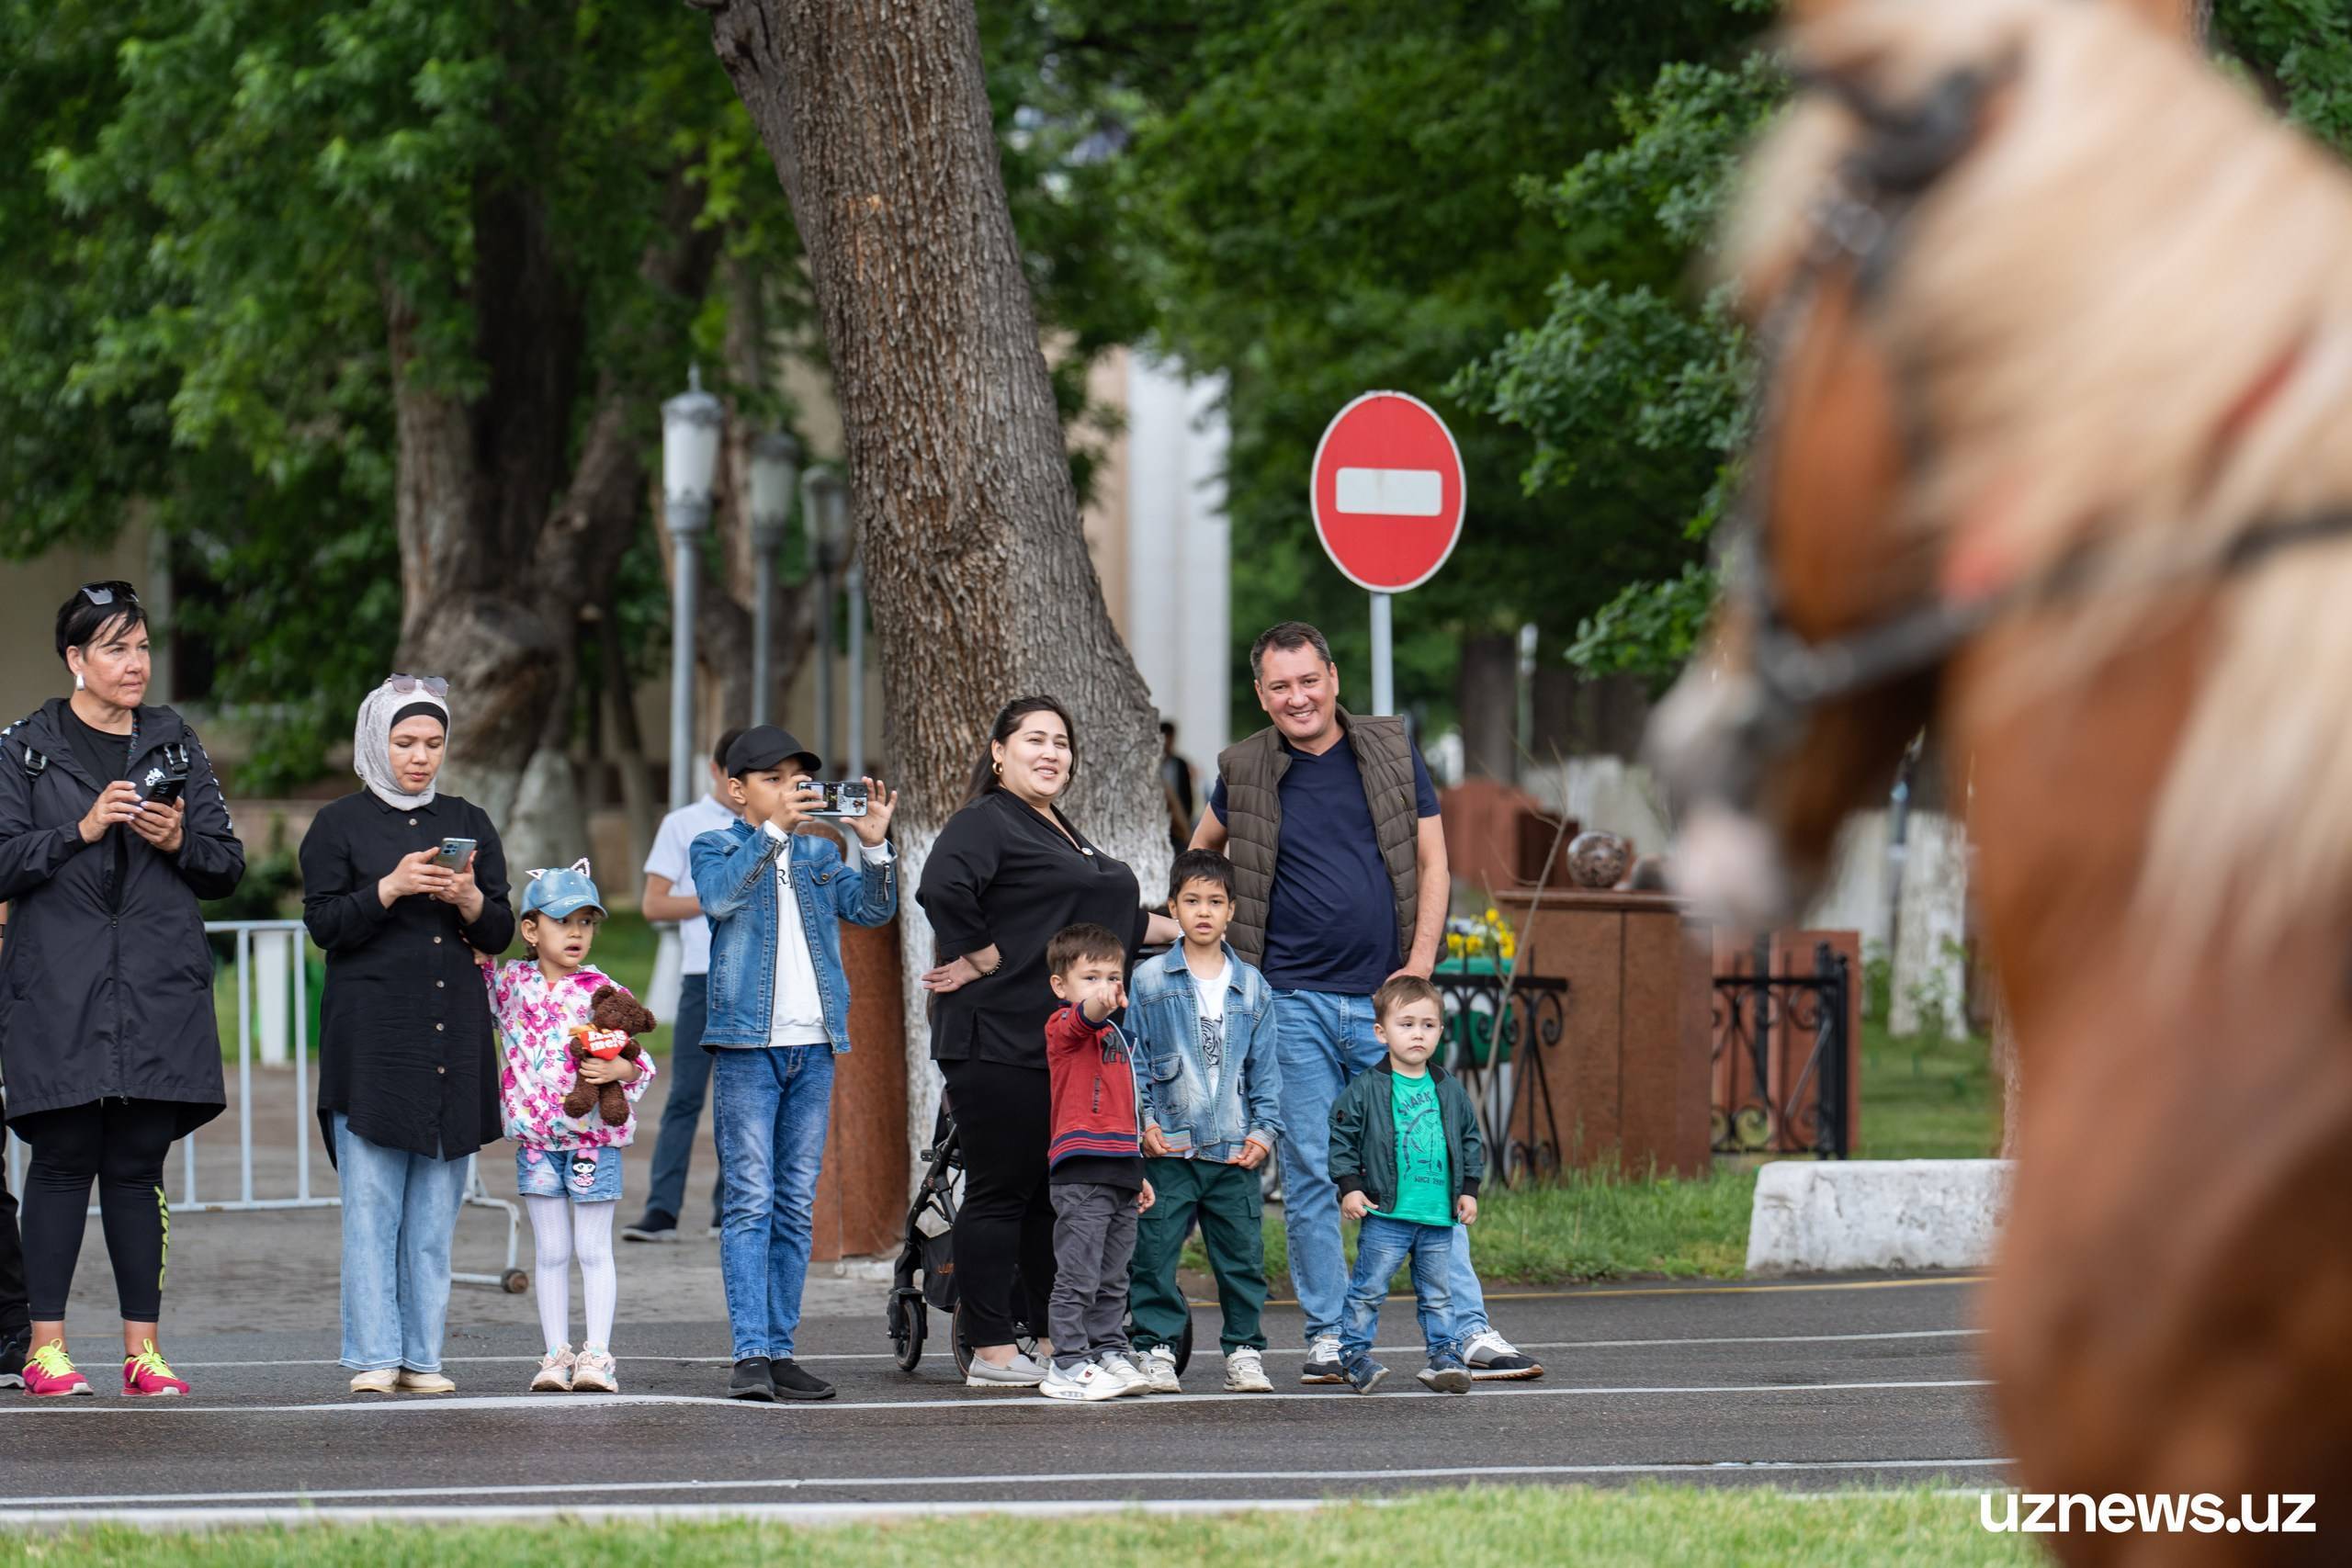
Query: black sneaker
{"type": "Point", "coordinates": [1323, 1362]}
{"type": "Point", "coordinates": [750, 1381]}
{"type": "Point", "coordinates": [1493, 1357]}
{"type": "Point", "coordinates": [655, 1226]}
{"type": "Point", "coordinates": [1363, 1373]}
{"type": "Point", "coordinates": [793, 1381]}
{"type": "Point", "coordinates": [13, 1348]}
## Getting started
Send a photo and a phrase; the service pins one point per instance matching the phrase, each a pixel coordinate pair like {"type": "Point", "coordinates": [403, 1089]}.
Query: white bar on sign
{"type": "Point", "coordinates": [1394, 492]}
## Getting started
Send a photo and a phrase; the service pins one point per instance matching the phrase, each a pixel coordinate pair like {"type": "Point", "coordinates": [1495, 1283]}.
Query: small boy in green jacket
{"type": "Point", "coordinates": [1407, 1158]}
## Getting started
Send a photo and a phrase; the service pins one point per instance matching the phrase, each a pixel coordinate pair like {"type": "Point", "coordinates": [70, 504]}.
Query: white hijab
{"type": "Point", "coordinates": [371, 743]}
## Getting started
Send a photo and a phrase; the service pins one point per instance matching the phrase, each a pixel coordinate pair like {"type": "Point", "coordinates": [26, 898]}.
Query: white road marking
{"type": "Point", "coordinates": [1107, 1478]}
{"type": "Point", "coordinates": [1204, 1353]}
{"type": "Point", "coordinates": [975, 1399]}
{"type": "Point", "coordinates": [1392, 492]}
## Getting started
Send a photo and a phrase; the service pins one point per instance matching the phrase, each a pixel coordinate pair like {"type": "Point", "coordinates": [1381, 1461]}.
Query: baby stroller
{"type": "Point", "coordinates": [925, 1277]}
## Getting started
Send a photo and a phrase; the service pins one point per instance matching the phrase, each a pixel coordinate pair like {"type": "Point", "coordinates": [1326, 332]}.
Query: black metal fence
{"type": "Point", "coordinates": [1781, 1049]}
{"type": "Point", "coordinates": [1508, 1073]}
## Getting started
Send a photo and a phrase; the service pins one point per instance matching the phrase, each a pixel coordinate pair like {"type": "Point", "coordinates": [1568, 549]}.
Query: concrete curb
{"type": "Point", "coordinates": [1814, 1217]}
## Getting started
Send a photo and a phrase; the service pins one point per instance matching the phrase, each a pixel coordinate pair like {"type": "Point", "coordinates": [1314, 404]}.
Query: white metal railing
{"type": "Point", "coordinates": [283, 948]}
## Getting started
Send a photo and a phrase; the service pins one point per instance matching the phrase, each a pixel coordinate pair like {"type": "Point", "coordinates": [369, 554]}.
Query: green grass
{"type": "Point", "coordinates": [1927, 1099]}
{"type": "Point", "coordinates": [1587, 1226]}
{"type": "Point", "coordinates": [1640, 1525]}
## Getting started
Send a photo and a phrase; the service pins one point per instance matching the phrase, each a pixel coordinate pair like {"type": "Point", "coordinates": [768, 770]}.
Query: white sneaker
{"type": "Point", "coordinates": [1090, 1382]}
{"type": "Point", "coordinates": [1245, 1372]}
{"type": "Point", "coordinates": [1131, 1378]}
{"type": "Point", "coordinates": [593, 1372]}
{"type": "Point", "coordinates": [1323, 1361]}
{"type": "Point", "coordinates": [1491, 1356]}
{"type": "Point", "coordinates": [1160, 1367]}
{"type": "Point", "coordinates": [554, 1375]}
{"type": "Point", "coordinates": [1020, 1372]}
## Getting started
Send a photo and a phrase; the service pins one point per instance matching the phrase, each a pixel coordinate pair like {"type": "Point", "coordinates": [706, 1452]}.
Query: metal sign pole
{"type": "Point", "coordinates": [1383, 675]}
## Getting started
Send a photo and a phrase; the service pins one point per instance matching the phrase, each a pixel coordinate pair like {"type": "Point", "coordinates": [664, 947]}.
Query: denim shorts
{"type": "Point", "coordinates": [585, 1176]}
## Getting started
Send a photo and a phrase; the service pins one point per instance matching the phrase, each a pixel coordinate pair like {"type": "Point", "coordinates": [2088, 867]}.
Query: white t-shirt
{"type": "Point", "coordinates": [672, 858]}
{"type": "Point", "coordinates": [1211, 996]}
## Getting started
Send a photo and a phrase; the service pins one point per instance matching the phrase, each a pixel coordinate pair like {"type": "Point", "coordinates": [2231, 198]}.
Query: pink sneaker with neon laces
{"type": "Point", "coordinates": [144, 1376]}
{"type": "Point", "coordinates": [50, 1374]}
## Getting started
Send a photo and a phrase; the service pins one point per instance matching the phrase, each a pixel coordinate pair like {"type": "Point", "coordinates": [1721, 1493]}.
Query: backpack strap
{"type": "Point", "coordinates": [35, 763]}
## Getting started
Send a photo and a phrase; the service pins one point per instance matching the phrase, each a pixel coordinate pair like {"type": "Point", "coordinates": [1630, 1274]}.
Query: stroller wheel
{"type": "Point", "coordinates": [908, 1325]}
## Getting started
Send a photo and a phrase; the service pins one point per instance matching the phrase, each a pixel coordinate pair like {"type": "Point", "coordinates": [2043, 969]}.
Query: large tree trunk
{"type": "Point", "coordinates": [877, 121]}
{"type": "Point", "coordinates": [506, 536]}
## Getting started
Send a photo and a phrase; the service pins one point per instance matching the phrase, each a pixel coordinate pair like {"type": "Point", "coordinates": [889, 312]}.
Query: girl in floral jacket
{"type": "Point", "coordinates": [568, 1169]}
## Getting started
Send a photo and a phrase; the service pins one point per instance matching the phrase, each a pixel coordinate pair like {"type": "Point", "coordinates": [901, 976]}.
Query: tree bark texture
{"type": "Point", "coordinates": [877, 118]}
{"type": "Point", "coordinates": [509, 530]}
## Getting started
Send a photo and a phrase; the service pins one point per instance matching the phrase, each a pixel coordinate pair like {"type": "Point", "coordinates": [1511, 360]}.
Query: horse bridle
{"type": "Point", "coordinates": [1861, 221]}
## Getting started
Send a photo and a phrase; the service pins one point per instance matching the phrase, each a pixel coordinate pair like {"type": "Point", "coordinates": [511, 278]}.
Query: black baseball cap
{"type": "Point", "coordinates": [765, 746]}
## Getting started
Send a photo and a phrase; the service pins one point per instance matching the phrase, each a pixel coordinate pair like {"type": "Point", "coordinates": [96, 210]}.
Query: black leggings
{"type": "Point", "coordinates": [1003, 1121]}
{"type": "Point", "coordinates": [121, 1143]}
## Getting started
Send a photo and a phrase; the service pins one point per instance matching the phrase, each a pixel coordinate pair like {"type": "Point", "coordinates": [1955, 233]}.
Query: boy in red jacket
{"type": "Point", "coordinates": [1095, 1158]}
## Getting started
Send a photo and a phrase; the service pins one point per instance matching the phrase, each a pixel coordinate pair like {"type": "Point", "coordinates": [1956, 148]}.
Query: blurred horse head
{"type": "Point", "coordinates": [2052, 451]}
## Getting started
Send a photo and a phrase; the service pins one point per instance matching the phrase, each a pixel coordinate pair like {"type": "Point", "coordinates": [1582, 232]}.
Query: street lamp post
{"type": "Point", "coordinates": [690, 427]}
{"type": "Point", "coordinates": [775, 463]}
{"type": "Point", "coordinates": [824, 504]}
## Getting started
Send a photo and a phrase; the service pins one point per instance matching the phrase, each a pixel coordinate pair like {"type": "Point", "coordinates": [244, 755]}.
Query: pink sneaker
{"type": "Point", "coordinates": [144, 1376]}
{"type": "Point", "coordinates": [49, 1374]}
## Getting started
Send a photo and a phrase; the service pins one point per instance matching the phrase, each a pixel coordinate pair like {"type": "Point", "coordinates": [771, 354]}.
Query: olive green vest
{"type": "Point", "coordinates": [1252, 770]}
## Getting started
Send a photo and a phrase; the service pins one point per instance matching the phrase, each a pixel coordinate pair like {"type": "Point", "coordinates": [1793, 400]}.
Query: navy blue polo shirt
{"type": "Point", "coordinates": [1331, 917]}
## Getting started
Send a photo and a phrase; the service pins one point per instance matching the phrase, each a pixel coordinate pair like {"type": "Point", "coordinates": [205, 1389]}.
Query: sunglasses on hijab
{"type": "Point", "coordinates": [431, 685]}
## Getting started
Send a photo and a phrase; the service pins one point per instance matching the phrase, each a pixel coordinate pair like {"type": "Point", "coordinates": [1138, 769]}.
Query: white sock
{"type": "Point", "coordinates": [551, 1264]}
{"type": "Point", "coordinates": [600, 1286]}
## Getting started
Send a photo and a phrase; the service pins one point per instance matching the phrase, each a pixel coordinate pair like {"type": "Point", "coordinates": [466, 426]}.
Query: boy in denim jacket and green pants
{"type": "Point", "coordinates": [1203, 1025]}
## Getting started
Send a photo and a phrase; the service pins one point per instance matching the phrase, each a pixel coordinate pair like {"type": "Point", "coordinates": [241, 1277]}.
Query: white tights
{"type": "Point", "coordinates": [560, 1230]}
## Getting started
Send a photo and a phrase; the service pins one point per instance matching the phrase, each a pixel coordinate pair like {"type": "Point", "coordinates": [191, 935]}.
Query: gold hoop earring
{"type": "Point", "coordinates": [998, 766]}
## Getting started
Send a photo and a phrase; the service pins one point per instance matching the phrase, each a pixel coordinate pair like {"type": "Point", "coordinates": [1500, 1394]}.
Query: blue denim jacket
{"type": "Point", "coordinates": [734, 873]}
{"type": "Point", "coordinates": [1200, 1116]}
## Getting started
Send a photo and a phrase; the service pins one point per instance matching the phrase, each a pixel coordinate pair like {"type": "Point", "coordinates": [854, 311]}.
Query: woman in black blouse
{"type": "Point", "coordinates": [1009, 871]}
{"type": "Point", "coordinates": [408, 1082]}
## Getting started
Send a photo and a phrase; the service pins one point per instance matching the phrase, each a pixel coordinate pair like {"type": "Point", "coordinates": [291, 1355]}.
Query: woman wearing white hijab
{"type": "Point", "coordinates": [408, 1084]}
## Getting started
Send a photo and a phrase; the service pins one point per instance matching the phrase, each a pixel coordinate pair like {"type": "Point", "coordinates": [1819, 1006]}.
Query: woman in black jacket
{"type": "Point", "coordinates": [1007, 872]}
{"type": "Point", "coordinates": [107, 1033]}
{"type": "Point", "coordinates": [408, 1082]}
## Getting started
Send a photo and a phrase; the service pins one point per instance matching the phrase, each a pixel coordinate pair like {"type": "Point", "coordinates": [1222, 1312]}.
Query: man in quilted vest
{"type": "Point", "coordinates": [1331, 824]}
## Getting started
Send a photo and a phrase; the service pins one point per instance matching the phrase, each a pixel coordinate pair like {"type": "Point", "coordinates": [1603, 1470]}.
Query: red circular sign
{"type": "Point", "coordinates": [1387, 491]}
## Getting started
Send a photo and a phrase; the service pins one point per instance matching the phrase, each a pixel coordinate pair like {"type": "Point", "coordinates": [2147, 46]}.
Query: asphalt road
{"type": "Point", "coordinates": [1807, 1386]}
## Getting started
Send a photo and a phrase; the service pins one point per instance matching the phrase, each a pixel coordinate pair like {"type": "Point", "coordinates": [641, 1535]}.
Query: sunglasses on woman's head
{"type": "Point", "coordinates": [107, 593]}
{"type": "Point", "coordinates": [432, 686]}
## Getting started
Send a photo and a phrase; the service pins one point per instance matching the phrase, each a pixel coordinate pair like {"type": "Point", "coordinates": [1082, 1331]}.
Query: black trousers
{"type": "Point", "coordinates": [16, 1313]}
{"type": "Point", "coordinates": [120, 1145]}
{"type": "Point", "coordinates": [1004, 1232]}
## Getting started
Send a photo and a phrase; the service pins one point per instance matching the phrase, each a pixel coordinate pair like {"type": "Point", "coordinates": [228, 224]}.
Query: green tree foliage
{"type": "Point", "coordinates": [218, 209]}
{"type": "Point", "coordinates": [1312, 200]}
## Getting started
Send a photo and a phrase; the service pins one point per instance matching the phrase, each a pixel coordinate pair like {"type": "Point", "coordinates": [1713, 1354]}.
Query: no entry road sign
{"type": "Point", "coordinates": [1387, 491]}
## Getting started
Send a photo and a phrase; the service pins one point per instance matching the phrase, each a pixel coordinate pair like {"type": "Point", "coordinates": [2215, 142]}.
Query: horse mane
{"type": "Point", "coordinates": [2122, 324]}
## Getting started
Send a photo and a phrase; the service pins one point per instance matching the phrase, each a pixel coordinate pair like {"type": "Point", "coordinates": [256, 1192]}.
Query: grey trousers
{"type": "Point", "coordinates": [1094, 1237]}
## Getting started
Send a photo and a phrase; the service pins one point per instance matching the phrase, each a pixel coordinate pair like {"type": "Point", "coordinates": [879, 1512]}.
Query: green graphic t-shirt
{"type": "Point", "coordinates": [1424, 1185]}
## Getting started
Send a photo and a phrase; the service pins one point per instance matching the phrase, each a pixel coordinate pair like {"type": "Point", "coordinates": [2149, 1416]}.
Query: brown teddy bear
{"type": "Point", "coordinates": [613, 1016]}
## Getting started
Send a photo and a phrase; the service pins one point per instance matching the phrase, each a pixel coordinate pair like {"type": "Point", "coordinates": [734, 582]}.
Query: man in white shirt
{"type": "Point", "coordinates": [670, 899]}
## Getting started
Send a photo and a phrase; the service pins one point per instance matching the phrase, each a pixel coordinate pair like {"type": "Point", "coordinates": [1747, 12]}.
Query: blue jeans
{"type": "Point", "coordinates": [1324, 1039]}
{"type": "Point", "coordinates": [769, 1115]}
{"type": "Point", "coordinates": [1381, 1246]}
{"type": "Point", "coordinates": [399, 1214]}
{"type": "Point", "coordinates": [689, 1084]}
